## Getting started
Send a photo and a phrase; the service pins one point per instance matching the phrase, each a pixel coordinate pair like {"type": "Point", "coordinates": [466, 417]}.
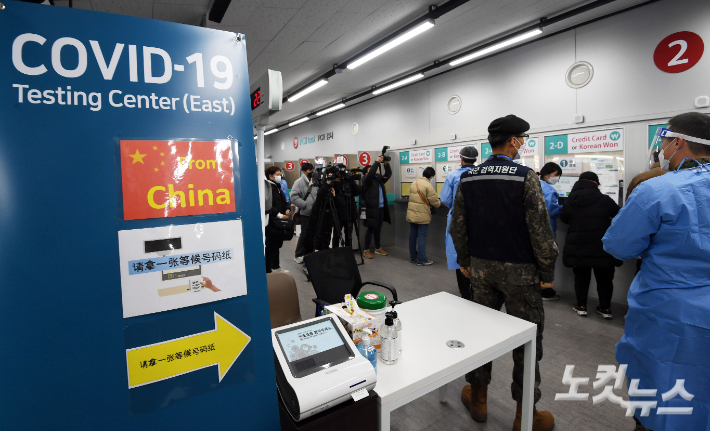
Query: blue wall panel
{"type": "Point", "coordinates": [64, 337]}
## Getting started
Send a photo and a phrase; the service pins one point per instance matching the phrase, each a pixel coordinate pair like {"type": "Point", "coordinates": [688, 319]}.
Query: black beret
{"type": "Point", "coordinates": [589, 176]}
{"type": "Point", "coordinates": [508, 125]}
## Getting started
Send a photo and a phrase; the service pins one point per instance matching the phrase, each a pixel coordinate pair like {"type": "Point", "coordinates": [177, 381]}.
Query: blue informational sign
{"type": "Point", "coordinates": [74, 84]}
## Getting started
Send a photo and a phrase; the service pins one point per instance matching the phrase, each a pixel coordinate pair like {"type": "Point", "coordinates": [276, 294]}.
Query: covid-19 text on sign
{"type": "Point", "coordinates": [71, 58]}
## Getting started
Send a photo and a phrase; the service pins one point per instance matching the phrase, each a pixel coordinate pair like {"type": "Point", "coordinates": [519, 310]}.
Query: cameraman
{"type": "Point", "coordinates": [374, 199]}
{"type": "Point", "coordinates": [303, 196]}
{"type": "Point", "coordinates": [346, 189]}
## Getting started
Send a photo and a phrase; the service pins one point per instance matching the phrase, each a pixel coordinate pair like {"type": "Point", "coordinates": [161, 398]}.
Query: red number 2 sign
{"type": "Point", "coordinates": [679, 52]}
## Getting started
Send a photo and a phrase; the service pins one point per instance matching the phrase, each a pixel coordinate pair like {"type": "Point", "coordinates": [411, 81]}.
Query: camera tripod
{"type": "Point", "coordinates": [328, 207]}
{"type": "Point", "coordinates": [344, 240]}
{"type": "Point", "coordinates": [350, 223]}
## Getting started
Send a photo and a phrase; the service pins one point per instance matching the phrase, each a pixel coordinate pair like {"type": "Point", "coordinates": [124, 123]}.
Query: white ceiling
{"type": "Point", "coordinates": [304, 38]}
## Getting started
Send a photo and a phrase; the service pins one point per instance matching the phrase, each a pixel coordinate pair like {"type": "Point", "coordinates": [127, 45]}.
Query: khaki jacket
{"type": "Point", "coordinates": [417, 210]}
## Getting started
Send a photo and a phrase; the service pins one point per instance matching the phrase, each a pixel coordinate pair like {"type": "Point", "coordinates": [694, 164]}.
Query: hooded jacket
{"type": "Point", "coordinates": [588, 212]}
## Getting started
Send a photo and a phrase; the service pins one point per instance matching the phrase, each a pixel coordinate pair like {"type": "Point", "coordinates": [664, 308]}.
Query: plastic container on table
{"type": "Point", "coordinates": [374, 303]}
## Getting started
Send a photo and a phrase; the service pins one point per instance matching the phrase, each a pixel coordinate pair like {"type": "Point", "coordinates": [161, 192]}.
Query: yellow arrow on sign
{"type": "Point", "coordinates": [221, 346]}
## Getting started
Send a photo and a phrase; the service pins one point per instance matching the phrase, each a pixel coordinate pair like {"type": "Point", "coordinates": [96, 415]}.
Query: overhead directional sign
{"type": "Point", "coordinates": [221, 346]}
{"type": "Point", "coordinates": [588, 142]}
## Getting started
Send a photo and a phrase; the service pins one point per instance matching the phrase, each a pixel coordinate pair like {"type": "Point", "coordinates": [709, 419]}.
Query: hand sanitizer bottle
{"type": "Point", "coordinates": [398, 326]}
{"type": "Point", "coordinates": [367, 350]}
{"type": "Point", "coordinates": [388, 351]}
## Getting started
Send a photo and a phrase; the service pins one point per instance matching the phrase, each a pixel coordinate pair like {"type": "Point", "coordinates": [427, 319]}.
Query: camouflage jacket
{"type": "Point", "coordinates": [691, 163]}
{"type": "Point", "coordinates": [541, 236]}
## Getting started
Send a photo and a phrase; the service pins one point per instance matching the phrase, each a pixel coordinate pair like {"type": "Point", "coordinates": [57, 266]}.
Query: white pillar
{"type": "Point", "coordinates": [260, 174]}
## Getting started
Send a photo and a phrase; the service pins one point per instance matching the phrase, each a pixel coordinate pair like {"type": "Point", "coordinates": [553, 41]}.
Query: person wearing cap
{"type": "Point", "coordinates": [468, 156]}
{"type": "Point", "coordinates": [666, 221]}
{"type": "Point", "coordinates": [589, 212]}
{"type": "Point", "coordinates": [504, 243]}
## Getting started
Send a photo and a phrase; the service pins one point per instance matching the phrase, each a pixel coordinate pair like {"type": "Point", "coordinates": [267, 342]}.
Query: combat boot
{"type": "Point", "coordinates": [542, 421]}
{"type": "Point", "coordinates": [475, 398]}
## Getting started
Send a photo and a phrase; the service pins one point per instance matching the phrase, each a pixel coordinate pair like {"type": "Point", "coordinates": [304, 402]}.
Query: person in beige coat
{"type": "Point", "coordinates": [422, 196]}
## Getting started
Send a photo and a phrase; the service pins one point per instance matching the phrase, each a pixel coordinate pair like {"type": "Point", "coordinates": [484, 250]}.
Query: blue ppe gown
{"type": "Point", "coordinates": [447, 195]}
{"type": "Point", "coordinates": [666, 221]}
{"type": "Point", "coordinates": [284, 188]}
{"type": "Point", "coordinates": [553, 208]}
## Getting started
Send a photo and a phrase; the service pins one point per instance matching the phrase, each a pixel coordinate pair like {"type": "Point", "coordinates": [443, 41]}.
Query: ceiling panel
{"type": "Point", "coordinates": [239, 12]}
{"type": "Point", "coordinates": [263, 24]}
{"type": "Point", "coordinates": [313, 14]}
{"type": "Point", "coordinates": [203, 3]}
{"type": "Point", "coordinates": [254, 48]}
{"type": "Point", "coordinates": [183, 13]}
{"type": "Point", "coordinates": [337, 25]}
{"type": "Point", "coordinates": [283, 3]}
{"type": "Point", "coordinates": [305, 38]}
{"type": "Point", "coordinates": [140, 8]}
{"type": "Point", "coordinates": [363, 6]}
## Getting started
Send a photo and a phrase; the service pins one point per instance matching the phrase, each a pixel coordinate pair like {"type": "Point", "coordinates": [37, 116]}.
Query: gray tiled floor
{"type": "Point", "coordinates": [568, 339]}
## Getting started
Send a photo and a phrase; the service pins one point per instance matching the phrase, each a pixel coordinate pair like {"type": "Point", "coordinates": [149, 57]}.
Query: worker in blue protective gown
{"type": "Point", "coordinates": [549, 175]}
{"type": "Point", "coordinates": [666, 221]}
{"type": "Point", "coordinates": [468, 157]}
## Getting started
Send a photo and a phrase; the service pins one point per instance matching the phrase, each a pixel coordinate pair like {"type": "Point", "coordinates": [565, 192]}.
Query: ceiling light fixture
{"type": "Point", "coordinates": [496, 47]}
{"type": "Point", "coordinates": [421, 28]}
{"type": "Point", "coordinates": [331, 109]}
{"type": "Point", "coordinates": [302, 120]}
{"type": "Point", "coordinates": [318, 84]}
{"type": "Point", "coordinates": [274, 130]}
{"type": "Point", "coordinates": [404, 81]}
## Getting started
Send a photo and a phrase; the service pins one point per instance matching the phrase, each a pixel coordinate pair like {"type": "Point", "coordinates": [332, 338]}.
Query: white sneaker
{"type": "Point", "coordinates": [298, 259]}
{"type": "Point", "coordinates": [280, 270]}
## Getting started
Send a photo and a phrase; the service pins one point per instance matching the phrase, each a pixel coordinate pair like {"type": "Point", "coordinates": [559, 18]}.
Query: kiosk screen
{"type": "Point", "coordinates": [313, 346]}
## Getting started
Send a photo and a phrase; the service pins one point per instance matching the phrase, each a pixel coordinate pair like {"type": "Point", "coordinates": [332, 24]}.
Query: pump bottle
{"type": "Point", "coordinates": [398, 325]}
{"type": "Point", "coordinates": [388, 351]}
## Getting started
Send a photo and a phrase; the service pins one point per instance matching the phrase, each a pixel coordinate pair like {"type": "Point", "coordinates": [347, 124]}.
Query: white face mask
{"type": "Point", "coordinates": [666, 163]}
{"type": "Point", "coordinates": [277, 178]}
{"type": "Point", "coordinates": [517, 153]}
{"type": "Point", "coordinates": [553, 180]}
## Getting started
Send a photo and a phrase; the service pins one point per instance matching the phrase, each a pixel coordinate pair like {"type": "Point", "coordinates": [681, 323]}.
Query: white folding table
{"type": "Point", "coordinates": [427, 363]}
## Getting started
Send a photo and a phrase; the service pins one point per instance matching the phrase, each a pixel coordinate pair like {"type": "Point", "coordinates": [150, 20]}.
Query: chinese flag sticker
{"type": "Point", "coordinates": [176, 178]}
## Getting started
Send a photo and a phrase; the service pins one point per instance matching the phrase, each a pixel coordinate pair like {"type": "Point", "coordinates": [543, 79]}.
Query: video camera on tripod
{"type": "Point", "coordinates": [322, 174]}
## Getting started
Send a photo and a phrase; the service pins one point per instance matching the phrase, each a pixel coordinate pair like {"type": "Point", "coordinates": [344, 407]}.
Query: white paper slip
{"type": "Point", "coordinates": [358, 395]}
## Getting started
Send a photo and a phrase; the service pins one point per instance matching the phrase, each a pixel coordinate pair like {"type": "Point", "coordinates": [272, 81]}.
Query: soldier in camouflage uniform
{"type": "Point", "coordinates": [505, 245]}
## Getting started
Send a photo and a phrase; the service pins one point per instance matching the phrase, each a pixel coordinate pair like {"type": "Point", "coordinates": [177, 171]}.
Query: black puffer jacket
{"type": "Point", "coordinates": [372, 183]}
{"type": "Point", "coordinates": [588, 212]}
{"type": "Point", "coordinates": [279, 205]}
